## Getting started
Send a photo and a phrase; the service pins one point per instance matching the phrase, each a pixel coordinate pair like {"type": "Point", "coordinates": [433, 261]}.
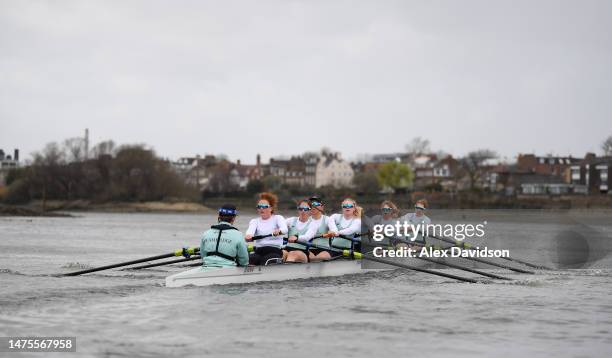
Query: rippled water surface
{"type": "Point", "coordinates": [566, 312]}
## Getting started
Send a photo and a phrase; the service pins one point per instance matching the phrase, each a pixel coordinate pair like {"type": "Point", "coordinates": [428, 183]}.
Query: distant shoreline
{"type": "Point", "coordinates": [62, 208]}
{"type": "Point", "coordinates": [58, 208]}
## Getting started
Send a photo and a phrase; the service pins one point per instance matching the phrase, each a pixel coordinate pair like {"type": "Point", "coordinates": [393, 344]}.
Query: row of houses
{"type": "Point", "coordinates": [430, 169]}
{"type": "Point", "coordinates": [310, 169]}
{"type": "Point", "coordinates": [551, 175]}
{"type": "Point", "coordinates": [316, 170]}
{"type": "Point", "coordinates": [529, 175]}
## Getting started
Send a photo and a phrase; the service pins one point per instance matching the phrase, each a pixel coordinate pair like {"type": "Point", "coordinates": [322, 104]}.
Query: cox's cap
{"type": "Point", "coordinates": [228, 210]}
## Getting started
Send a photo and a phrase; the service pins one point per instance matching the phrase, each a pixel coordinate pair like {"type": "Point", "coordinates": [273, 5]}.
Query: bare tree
{"type": "Point", "coordinates": [473, 164]}
{"type": "Point", "coordinates": [45, 168]}
{"type": "Point", "coordinates": [106, 147]}
{"type": "Point", "coordinates": [418, 145]}
{"type": "Point", "coordinates": [74, 149]}
{"type": "Point", "coordinates": [218, 180]}
{"type": "Point", "coordinates": [50, 155]}
{"type": "Point", "coordinates": [606, 146]}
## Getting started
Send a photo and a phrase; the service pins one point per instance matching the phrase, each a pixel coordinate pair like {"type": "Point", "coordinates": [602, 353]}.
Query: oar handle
{"type": "Point", "coordinates": [353, 238]}
{"type": "Point", "coordinates": [345, 252]}
{"type": "Point", "coordinates": [259, 237]}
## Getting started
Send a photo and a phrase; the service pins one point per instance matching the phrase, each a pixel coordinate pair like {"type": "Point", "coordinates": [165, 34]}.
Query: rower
{"type": "Point", "coordinates": [346, 224]}
{"type": "Point", "coordinates": [223, 245]}
{"type": "Point", "coordinates": [320, 221]}
{"type": "Point", "coordinates": [267, 249]}
{"type": "Point", "coordinates": [418, 217]}
{"type": "Point", "coordinates": [300, 233]}
{"type": "Point", "coordinates": [389, 215]}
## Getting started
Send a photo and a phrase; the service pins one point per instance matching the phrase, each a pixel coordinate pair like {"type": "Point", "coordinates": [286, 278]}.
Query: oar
{"type": "Point", "coordinates": [358, 255]}
{"type": "Point", "coordinates": [459, 267]}
{"type": "Point", "coordinates": [447, 275]}
{"type": "Point", "coordinates": [465, 245]}
{"type": "Point", "coordinates": [181, 252]}
{"type": "Point", "coordinates": [259, 237]}
{"type": "Point", "coordinates": [196, 257]}
{"type": "Point", "coordinates": [488, 262]}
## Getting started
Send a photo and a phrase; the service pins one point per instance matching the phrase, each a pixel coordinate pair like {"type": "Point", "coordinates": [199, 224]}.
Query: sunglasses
{"type": "Point", "coordinates": [387, 210]}
{"type": "Point", "coordinates": [303, 208]}
{"type": "Point", "coordinates": [316, 203]}
{"type": "Point", "coordinates": [347, 206]}
{"type": "Point", "coordinates": [262, 206]}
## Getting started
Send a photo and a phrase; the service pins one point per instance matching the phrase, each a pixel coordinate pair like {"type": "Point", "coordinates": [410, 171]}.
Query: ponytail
{"type": "Point", "coordinates": [358, 211]}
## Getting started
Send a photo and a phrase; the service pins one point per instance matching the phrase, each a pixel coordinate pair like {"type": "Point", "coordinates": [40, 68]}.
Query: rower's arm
{"type": "Point", "coordinates": [354, 228]}
{"type": "Point", "coordinates": [331, 223]}
{"type": "Point", "coordinates": [309, 234]}
{"type": "Point", "coordinates": [282, 224]}
{"type": "Point", "coordinates": [252, 227]}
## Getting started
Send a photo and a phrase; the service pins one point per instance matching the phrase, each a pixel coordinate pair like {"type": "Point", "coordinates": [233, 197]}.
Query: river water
{"type": "Point", "coordinates": [565, 312]}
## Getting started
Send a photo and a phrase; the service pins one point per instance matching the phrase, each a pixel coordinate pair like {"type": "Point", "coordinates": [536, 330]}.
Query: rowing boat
{"type": "Point", "coordinates": [206, 276]}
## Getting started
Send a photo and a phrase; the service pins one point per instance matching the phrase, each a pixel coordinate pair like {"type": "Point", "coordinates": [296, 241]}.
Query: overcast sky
{"type": "Point", "coordinates": [282, 77]}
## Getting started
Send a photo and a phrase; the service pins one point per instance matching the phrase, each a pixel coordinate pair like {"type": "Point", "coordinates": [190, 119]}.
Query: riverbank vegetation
{"type": "Point", "coordinates": [130, 173]}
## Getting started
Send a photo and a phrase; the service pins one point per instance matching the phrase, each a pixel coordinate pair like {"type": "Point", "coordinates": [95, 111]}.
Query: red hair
{"type": "Point", "coordinates": [270, 198]}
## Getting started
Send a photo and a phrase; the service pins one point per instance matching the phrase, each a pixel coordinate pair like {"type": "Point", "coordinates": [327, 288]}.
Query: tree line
{"type": "Point", "coordinates": [64, 172]}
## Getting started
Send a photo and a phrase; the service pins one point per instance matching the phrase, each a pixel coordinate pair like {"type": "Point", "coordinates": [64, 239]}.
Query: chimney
{"type": "Point", "coordinates": [258, 160]}
{"type": "Point", "coordinates": [86, 143]}
{"type": "Point", "coordinates": [16, 156]}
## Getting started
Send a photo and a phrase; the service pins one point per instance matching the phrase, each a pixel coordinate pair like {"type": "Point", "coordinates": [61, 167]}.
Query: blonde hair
{"type": "Point", "coordinates": [270, 198]}
{"type": "Point", "coordinates": [358, 209]}
{"type": "Point", "coordinates": [392, 205]}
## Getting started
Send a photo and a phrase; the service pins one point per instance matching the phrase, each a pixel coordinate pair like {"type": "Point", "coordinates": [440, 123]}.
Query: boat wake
{"type": "Point", "coordinates": [76, 265]}
{"type": "Point", "coordinates": [12, 272]}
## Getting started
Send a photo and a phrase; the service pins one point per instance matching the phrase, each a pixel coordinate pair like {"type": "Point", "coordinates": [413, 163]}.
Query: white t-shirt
{"type": "Point", "coordinates": [313, 226]}
{"type": "Point", "coordinates": [350, 226]}
{"type": "Point", "coordinates": [260, 226]}
{"type": "Point", "coordinates": [411, 218]}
